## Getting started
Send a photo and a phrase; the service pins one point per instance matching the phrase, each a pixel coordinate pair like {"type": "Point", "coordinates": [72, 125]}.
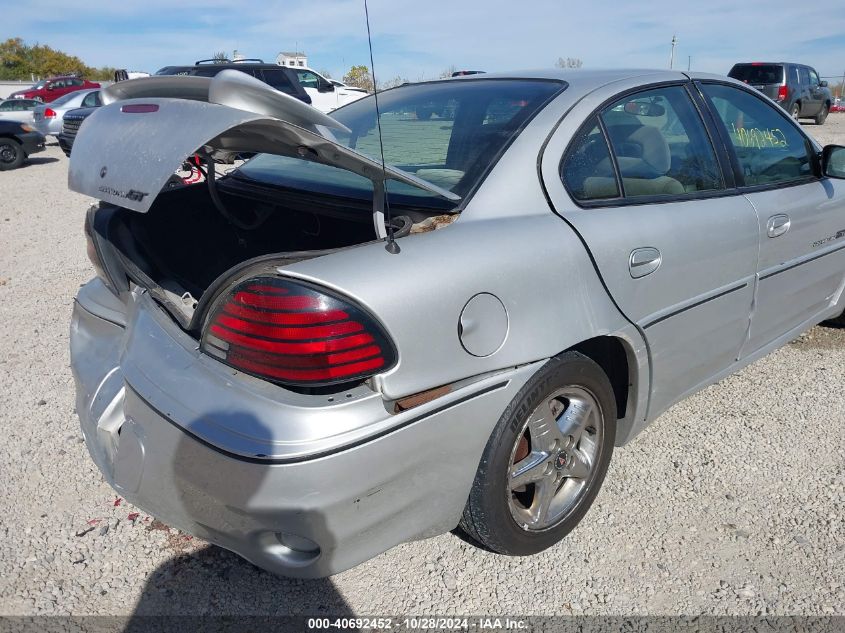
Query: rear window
{"type": "Point", "coordinates": [65, 98]}
{"type": "Point", "coordinates": [757, 73]}
{"type": "Point", "coordinates": [448, 133]}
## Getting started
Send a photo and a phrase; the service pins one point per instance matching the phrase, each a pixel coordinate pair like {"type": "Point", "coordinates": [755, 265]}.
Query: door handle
{"type": "Point", "coordinates": [778, 225]}
{"type": "Point", "coordinates": [644, 261]}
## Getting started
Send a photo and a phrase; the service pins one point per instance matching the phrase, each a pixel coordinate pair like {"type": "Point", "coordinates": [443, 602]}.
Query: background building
{"type": "Point", "coordinates": [292, 59]}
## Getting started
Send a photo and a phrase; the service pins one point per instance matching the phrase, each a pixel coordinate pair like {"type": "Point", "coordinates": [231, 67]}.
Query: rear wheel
{"type": "Point", "coordinates": [11, 154]}
{"type": "Point", "coordinates": [545, 460]}
{"type": "Point", "coordinates": [821, 116]}
{"type": "Point", "coordinates": [795, 111]}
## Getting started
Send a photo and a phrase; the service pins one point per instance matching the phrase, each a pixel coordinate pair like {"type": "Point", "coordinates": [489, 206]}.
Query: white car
{"type": "Point", "coordinates": [19, 110]}
{"type": "Point", "coordinates": [327, 94]}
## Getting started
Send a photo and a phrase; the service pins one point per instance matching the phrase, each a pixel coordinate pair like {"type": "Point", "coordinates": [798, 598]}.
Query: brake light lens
{"type": "Point", "coordinates": [295, 334]}
{"type": "Point", "coordinates": [139, 108]}
{"type": "Point", "coordinates": [782, 93]}
{"type": "Point", "coordinates": [49, 113]}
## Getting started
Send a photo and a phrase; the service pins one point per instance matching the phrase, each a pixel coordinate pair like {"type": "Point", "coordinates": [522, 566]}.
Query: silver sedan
{"type": "Point", "coordinates": [48, 116]}
{"type": "Point", "coordinates": [19, 110]}
{"type": "Point", "coordinates": [319, 355]}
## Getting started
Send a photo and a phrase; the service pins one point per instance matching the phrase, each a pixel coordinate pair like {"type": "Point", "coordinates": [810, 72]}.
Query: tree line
{"type": "Point", "coordinates": [19, 60]}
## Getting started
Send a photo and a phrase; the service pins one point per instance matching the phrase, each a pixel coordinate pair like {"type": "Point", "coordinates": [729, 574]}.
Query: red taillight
{"type": "Point", "coordinates": [782, 93]}
{"type": "Point", "coordinates": [49, 113]}
{"type": "Point", "coordinates": [295, 334]}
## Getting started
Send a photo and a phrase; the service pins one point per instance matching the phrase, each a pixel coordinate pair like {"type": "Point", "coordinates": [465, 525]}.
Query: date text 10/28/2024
{"type": "Point", "coordinates": [418, 624]}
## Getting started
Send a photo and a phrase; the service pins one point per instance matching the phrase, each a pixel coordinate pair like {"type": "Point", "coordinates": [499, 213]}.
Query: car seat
{"type": "Point", "coordinates": [643, 156]}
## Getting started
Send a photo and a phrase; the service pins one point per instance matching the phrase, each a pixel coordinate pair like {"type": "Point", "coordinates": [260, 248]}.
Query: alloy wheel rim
{"type": "Point", "coordinates": [554, 458]}
{"type": "Point", "coordinates": [7, 153]}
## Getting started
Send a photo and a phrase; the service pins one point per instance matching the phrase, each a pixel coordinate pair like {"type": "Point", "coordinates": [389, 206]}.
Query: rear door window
{"type": "Point", "coordinates": [767, 144]}
{"type": "Point", "coordinates": [804, 75]}
{"type": "Point", "coordinates": [660, 144]}
{"type": "Point", "coordinates": [656, 142]}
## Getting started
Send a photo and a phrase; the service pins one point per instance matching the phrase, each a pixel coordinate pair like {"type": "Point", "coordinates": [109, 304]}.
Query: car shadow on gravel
{"type": "Point", "coordinates": [199, 485]}
{"type": "Point", "coordinates": [39, 160]}
{"type": "Point", "coordinates": [215, 582]}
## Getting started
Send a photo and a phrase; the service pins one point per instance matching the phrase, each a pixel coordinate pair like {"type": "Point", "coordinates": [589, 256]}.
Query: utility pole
{"type": "Point", "coordinates": [672, 55]}
{"type": "Point", "coordinates": [689, 62]}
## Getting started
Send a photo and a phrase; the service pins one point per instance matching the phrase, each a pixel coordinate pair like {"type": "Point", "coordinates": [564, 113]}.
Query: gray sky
{"type": "Point", "coordinates": [421, 38]}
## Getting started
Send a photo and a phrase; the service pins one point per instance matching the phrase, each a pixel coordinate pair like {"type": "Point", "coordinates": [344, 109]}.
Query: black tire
{"type": "Point", "coordinates": [822, 116]}
{"type": "Point", "coordinates": [11, 154]}
{"type": "Point", "coordinates": [488, 517]}
{"type": "Point", "coordinates": [795, 111]}
{"type": "Point", "coordinates": [838, 321]}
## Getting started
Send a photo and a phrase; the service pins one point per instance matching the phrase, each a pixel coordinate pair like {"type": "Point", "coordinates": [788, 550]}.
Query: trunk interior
{"type": "Point", "coordinates": [184, 242]}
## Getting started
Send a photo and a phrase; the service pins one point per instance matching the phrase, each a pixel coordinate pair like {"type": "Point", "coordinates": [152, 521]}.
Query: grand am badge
{"type": "Point", "coordinates": [829, 238]}
{"type": "Point", "coordinates": [132, 194]}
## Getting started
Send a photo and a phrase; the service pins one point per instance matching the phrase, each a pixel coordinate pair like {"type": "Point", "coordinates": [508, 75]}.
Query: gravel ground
{"type": "Point", "coordinates": [731, 503]}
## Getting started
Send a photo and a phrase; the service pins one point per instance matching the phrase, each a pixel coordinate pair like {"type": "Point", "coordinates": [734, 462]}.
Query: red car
{"type": "Point", "coordinates": [48, 90]}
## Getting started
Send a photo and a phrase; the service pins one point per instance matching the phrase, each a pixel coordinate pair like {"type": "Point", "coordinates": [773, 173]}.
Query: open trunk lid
{"type": "Point", "coordinates": [130, 148]}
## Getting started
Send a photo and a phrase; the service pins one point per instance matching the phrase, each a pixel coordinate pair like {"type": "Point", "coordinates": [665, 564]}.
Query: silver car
{"type": "Point", "coordinates": [19, 110]}
{"type": "Point", "coordinates": [48, 116]}
{"type": "Point", "coordinates": [316, 356]}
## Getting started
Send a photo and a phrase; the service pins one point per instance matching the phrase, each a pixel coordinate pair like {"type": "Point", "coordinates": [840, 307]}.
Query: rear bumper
{"type": "Point", "coordinates": [306, 516]}
{"type": "Point", "coordinates": [49, 127]}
